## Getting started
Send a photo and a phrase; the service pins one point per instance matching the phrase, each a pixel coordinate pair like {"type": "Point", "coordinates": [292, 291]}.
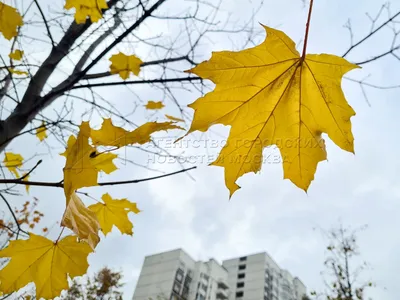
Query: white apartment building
{"type": "Point", "coordinates": [258, 277]}
{"type": "Point", "coordinates": [174, 275]}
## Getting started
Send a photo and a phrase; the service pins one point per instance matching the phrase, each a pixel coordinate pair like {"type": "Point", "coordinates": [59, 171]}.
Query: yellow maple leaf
{"type": "Point", "coordinates": [270, 95]}
{"type": "Point", "coordinates": [175, 119]}
{"type": "Point", "coordinates": [16, 55]}
{"type": "Point", "coordinates": [70, 144]}
{"type": "Point", "coordinates": [110, 135]}
{"type": "Point", "coordinates": [79, 171]}
{"type": "Point", "coordinates": [82, 221]}
{"type": "Point", "coordinates": [41, 133]}
{"type": "Point", "coordinates": [104, 162]}
{"type": "Point", "coordinates": [114, 212]}
{"type": "Point", "coordinates": [43, 262]}
{"type": "Point", "coordinates": [17, 72]}
{"type": "Point", "coordinates": [10, 20]}
{"type": "Point", "coordinates": [87, 8]}
{"type": "Point", "coordinates": [123, 65]}
{"type": "Point", "coordinates": [13, 161]}
{"type": "Point", "coordinates": [153, 105]}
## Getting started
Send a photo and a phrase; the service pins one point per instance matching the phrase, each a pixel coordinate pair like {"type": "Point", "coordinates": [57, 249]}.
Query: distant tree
{"type": "Point", "coordinates": [342, 267]}
{"type": "Point", "coordinates": [104, 285]}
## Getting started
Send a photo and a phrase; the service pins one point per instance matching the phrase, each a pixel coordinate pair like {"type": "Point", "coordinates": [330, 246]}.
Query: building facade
{"type": "Point", "coordinates": [174, 275]}
{"type": "Point", "coordinates": [258, 277]}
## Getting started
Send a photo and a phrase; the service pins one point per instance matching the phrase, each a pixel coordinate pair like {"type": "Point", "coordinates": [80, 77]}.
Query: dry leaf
{"type": "Point", "coordinates": [82, 221]}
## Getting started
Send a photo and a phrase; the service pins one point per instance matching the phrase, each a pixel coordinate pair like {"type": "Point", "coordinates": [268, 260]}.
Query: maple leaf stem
{"type": "Point", "coordinates": [307, 29]}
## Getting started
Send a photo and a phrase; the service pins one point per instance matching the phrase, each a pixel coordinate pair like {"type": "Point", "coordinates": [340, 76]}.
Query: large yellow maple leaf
{"type": "Point", "coordinates": [114, 212]}
{"type": "Point", "coordinates": [43, 262]}
{"type": "Point", "coordinates": [10, 20]}
{"type": "Point", "coordinates": [270, 95]}
{"type": "Point", "coordinates": [82, 221]}
{"type": "Point", "coordinates": [124, 65]}
{"type": "Point", "coordinates": [79, 171]}
{"type": "Point", "coordinates": [87, 8]}
{"type": "Point", "coordinates": [111, 135]}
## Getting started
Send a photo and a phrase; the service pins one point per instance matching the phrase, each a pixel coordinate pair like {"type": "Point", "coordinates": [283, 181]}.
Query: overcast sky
{"type": "Point", "coordinates": [267, 213]}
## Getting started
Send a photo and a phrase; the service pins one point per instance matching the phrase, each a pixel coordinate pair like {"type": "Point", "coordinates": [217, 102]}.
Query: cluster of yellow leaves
{"type": "Point", "coordinates": [124, 65]}
{"type": "Point", "coordinates": [87, 8]}
{"type": "Point", "coordinates": [10, 20]}
{"type": "Point", "coordinates": [270, 95]}
{"type": "Point", "coordinates": [84, 163]}
{"type": "Point", "coordinates": [48, 263]}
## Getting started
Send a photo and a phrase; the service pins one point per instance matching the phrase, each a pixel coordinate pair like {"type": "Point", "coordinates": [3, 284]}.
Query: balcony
{"type": "Point", "coordinates": [222, 293]}
{"type": "Point", "coordinates": [222, 285]}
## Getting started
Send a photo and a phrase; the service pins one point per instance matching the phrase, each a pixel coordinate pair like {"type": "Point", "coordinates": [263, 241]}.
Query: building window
{"type": "Point", "coordinates": [239, 294]}
{"type": "Point", "coordinates": [176, 288]}
{"type": "Point", "coordinates": [240, 284]}
{"type": "Point", "coordinates": [185, 292]}
{"type": "Point", "coordinates": [244, 258]}
{"type": "Point", "coordinates": [188, 280]}
{"type": "Point", "coordinates": [206, 277]}
{"type": "Point", "coordinates": [179, 275]}
{"type": "Point", "coordinates": [204, 287]}
{"type": "Point", "coordinates": [242, 267]}
{"type": "Point", "coordinates": [241, 276]}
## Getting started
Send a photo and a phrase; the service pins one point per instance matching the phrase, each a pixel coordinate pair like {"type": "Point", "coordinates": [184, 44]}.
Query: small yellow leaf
{"type": "Point", "coordinates": [16, 55]}
{"type": "Point", "coordinates": [17, 72]}
{"type": "Point", "coordinates": [79, 171]}
{"type": "Point", "coordinates": [153, 105]}
{"type": "Point", "coordinates": [174, 118]}
{"type": "Point", "coordinates": [26, 179]}
{"type": "Point", "coordinates": [13, 161]}
{"type": "Point", "coordinates": [270, 95]}
{"type": "Point", "coordinates": [10, 20]}
{"type": "Point", "coordinates": [41, 132]}
{"type": "Point", "coordinates": [87, 8]}
{"type": "Point", "coordinates": [82, 221]}
{"type": "Point", "coordinates": [123, 65]}
{"type": "Point", "coordinates": [43, 262]}
{"type": "Point", "coordinates": [104, 162]}
{"type": "Point", "coordinates": [114, 212]}
{"type": "Point", "coordinates": [110, 135]}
